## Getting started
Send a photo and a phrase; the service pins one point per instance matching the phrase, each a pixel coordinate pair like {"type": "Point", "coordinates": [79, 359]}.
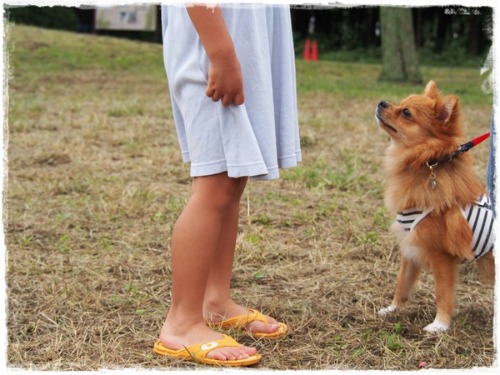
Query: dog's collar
{"type": "Point", "coordinates": [460, 150]}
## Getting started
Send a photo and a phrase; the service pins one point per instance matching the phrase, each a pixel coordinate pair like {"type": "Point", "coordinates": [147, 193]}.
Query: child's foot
{"type": "Point", "coordinates": [173, 338]}
{"type": "Point", "coordinates": [239, 317]}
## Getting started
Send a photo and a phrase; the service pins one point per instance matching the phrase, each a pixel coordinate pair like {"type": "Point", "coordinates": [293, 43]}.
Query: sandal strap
{"type": "Point", "coordinates": [240, 321]}
{"type": "Point", "coordinates": [200, 351]}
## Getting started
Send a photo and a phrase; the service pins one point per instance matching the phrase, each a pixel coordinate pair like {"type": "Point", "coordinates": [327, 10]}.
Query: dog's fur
{"type": "Point", "coordinates": [423, 128]}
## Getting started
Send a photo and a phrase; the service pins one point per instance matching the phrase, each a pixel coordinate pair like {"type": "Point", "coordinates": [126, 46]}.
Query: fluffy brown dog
{"type": "Point", "coordinates": [437, 200]}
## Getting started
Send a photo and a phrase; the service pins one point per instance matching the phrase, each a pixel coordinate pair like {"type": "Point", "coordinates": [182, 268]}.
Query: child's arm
{"type": "Point", "coordinates": [225, 81]}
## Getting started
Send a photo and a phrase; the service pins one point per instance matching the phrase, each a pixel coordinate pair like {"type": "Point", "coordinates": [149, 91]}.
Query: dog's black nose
{"type": "Point", "coordinates": [383, 104]}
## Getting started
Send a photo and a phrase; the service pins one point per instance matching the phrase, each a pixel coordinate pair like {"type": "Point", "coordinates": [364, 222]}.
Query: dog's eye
{"type": "Point", "coordinates": [406, 113]}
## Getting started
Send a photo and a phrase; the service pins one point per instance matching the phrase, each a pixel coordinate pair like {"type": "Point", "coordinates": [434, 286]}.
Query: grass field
{"type": "Point", "coordinates": [95, 184]}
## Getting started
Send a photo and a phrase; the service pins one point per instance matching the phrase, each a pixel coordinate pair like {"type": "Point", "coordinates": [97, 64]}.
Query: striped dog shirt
{"type": "Point", "coordinates": [479, 215]}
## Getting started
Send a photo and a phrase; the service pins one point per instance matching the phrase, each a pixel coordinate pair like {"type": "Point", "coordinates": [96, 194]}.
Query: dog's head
{"type": "Point", "coordinates": [420, 118]}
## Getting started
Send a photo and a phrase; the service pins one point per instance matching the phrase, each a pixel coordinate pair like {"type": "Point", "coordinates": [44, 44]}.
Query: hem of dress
{"type": "Point", "coordinates": [256, 171]}
{"type": "Point", "coordinates": [249, 170]}
{"type": "Point", "coordinates": [291, 160]}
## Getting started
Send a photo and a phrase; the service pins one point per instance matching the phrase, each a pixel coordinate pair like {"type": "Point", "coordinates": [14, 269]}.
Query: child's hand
{"type": "Point", "coordinates": [225, 81]}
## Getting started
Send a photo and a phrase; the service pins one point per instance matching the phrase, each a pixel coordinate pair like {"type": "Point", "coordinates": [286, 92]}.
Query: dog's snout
{"type": "Point", "coordinates": [383, 104]}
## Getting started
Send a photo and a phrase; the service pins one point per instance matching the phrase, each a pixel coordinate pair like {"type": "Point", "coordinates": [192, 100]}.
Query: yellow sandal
{"type": "Point", "coordinates": [198, 353]}
{"type": "Point", "coordinates": [239, 322]}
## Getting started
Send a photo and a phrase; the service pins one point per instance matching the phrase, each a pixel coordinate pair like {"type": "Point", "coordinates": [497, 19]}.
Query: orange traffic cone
{"type": "Point", "coordinates": [314, 53]}
{"type": "Point", "coordinates": [307, 52]}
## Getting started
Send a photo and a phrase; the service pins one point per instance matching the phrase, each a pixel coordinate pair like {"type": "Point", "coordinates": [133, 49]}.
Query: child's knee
{"type": "Point", "coordinates": [226, 195]}
{"type": "Point", "coordinates": [221, 192]}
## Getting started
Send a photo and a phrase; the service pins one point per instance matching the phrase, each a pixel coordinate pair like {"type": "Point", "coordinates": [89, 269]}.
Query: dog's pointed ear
{"type": "Point", "coordinates": [448, 109]}
{"type": "Point", "coordinates": [431, 90]}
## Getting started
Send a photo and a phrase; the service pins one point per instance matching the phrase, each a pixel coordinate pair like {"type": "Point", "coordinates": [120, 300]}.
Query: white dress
{"type": "Point", "coordinates": [258, 137]}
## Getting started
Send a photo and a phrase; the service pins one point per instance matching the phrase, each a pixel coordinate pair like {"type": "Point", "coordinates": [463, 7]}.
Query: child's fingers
{"type": "Point", "coordinates": [226, 95]}
{"type": "Point", "coordinates": [239, 99]}
{"type": "Point", "coordinates": [210, 91]}
{"type": "Point", "coordinates": [214, 94]}
{"type": "Point", "coordinates": [216, 97]}
{"type": "Point", "coordinates": [228, 99]}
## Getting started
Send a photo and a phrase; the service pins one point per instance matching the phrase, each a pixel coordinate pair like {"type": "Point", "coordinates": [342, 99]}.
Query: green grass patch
{"type": "Point", "coordinates": [360, 81]}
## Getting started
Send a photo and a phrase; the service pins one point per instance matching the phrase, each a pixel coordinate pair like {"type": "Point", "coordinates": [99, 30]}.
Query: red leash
{"type": "Point", "coordinates": [467, 146]}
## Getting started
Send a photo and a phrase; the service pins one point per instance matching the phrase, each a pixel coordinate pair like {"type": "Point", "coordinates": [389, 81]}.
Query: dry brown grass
{"type": "Point", "coordinates": [95, 183]}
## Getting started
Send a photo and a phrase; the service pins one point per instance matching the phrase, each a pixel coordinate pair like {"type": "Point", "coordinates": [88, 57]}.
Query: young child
{"type": "Point", "coordinates": [231, 76]}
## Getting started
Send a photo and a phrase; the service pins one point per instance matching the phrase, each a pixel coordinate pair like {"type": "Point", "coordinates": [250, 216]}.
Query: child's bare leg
{"type": "Point", "coordinates": [194, 242]}
{"type": "Point", "coordinates": [218, 303]}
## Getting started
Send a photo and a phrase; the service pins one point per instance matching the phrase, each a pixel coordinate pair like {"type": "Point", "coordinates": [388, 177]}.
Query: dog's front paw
{"type": "Point", "coordinates": [436, 327]}
{"type": "Point", "coordinates": [386, 311]}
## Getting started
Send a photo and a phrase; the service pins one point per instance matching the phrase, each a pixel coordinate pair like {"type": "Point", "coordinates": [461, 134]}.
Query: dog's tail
{"type": "Point", "coordinates": [486, 265]}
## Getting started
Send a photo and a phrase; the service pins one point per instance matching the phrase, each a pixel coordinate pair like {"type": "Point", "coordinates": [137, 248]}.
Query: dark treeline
{"type": "Point", "coordinates": [456, 33]}
{"type": "Point", "coordinates": [436, 28]}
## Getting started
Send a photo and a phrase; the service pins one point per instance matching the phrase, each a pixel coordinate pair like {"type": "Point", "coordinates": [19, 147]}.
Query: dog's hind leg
{"type": "Point", "coordinates": [408, 274]}
{"type": "Point", "coordinates": [486, 266]}
{"type": "Point", "coordinates": [444, 268]}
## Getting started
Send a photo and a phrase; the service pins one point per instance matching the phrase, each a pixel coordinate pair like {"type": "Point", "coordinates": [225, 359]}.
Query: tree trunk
{"type": "Point", "coordinates": [399, 53]}
{"type": "Point", "coordinates": [442, 31]}
{"type": "Point", "coordinates": [473, 35]}
{"type": "Point", "coordinates": [370, 20]}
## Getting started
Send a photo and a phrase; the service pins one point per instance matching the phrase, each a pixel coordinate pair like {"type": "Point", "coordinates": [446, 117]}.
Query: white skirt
{"type": "Point", "coordinates": [258, 137]}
